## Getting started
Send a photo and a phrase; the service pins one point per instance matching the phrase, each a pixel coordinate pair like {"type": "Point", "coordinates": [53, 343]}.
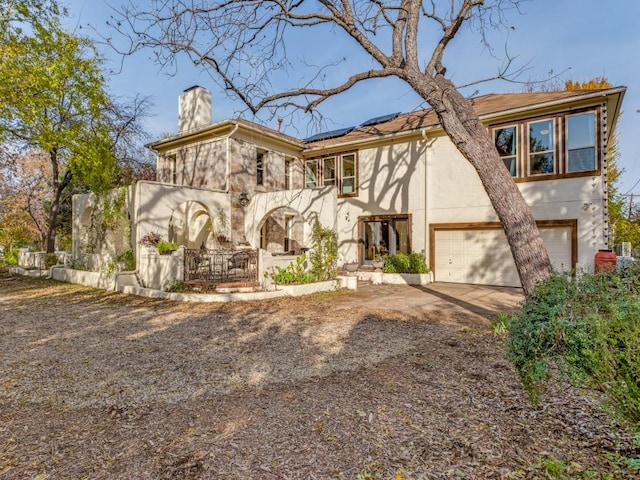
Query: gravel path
{"type": "Point", "coordinates": [102, 386]}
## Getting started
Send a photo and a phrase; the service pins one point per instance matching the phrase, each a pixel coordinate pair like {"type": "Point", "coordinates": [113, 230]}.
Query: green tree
{"type": "Point", "coordinates": [54, 99]}
{"type": "Point", "coordinates": [244, 44]}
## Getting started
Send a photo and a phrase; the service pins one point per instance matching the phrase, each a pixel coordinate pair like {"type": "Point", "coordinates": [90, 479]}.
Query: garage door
{"type": "Point", "coordinates": [482, 256]}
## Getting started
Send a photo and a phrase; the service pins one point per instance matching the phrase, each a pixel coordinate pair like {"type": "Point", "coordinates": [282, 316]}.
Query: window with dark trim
{"type": "Point", "coordinates": [172, 168]}
{"type": "Point", "coordinates": [555, 146]}
{"type": "Point", "coordinates": [506, 140]}
{"type": "Point", "coordinates": [260, 167]}
{"type": "Point", "coordinates": [384, 234]}
{"type": "Point", "coordinates": [338, 170]}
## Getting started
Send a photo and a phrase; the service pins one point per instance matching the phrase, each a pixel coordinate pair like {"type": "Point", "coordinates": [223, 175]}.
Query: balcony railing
{"type": "Point", "coordinates": [213, 267]}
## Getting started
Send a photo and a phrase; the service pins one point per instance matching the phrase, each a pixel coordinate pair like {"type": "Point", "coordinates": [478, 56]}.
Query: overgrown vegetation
{"type": "Point", "coordinates": [125, 261]}
{"type": "Point", "coordinates": [324, 254]}
{"type": "Point", "coordinates": [294, 273]}
{"type": "Point", "coordinates": [589, 327]}
{"type": "Point", "coordinates": [323, 259]}
{"type": "Point", "coordinates": [403, 263]}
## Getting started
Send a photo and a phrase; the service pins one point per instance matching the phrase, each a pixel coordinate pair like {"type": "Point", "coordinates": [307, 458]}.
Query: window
{"type": "Point", "coordinates": [340, 171]}
{"type": "Point", "coordinates": [506, 140]}
{"type": "Point", "coordinates": [288, 173]}
{"type": "Point", "coordinates": [557, 146]}
{"type": "Point", "coordinates": [172, 169]}
{"type": "Point", "coordinates": [387, 234]}
{"type": "Point", "coordinates": [348, 174]}
{"type": "Point", "coordinates": [311, 174]}
{"type": "Point", "coordinates": [288, 232]}
{"type": "Point", "coordinates": [329, 171]}
{"type": "Point", "coordinates": [541, 148]}
{"type": "Point", "coordinates": [581, 142]}
{"type": "Point", "coordinates": [260, 168]}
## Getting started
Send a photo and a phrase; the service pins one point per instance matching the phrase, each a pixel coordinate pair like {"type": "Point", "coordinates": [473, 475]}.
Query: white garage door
{"type": "Point", "coordinates": [483, 256]}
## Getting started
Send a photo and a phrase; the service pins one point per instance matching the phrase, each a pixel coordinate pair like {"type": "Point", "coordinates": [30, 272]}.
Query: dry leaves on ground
{"type": "Point", "coordinates": [335, 386]}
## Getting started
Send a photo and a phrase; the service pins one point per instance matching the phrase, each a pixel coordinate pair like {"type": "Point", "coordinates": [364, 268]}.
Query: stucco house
{"type": "Point", "coordinates": [394, 183]}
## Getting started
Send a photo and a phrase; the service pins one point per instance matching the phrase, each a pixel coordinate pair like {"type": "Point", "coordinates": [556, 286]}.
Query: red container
{"type": "Point", "coordinates": [605, 261]}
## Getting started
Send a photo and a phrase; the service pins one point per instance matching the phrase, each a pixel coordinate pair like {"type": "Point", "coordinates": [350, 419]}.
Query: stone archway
{"type": "Point", "coordinates": [191, 225]}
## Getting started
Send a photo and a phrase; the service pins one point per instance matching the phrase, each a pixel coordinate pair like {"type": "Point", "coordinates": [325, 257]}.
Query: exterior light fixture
{"type": "Point", "coordinates": [244, 199]}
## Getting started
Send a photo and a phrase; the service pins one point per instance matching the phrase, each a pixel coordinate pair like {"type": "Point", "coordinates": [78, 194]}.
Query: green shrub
{"type": "Point", "coordinates": [50, 260]}
{"type": "Point", "coordinates": [294, 273]}
{"type": "Point", "coordinates": [11, 256]}
{"type": "Point", "coordinates": [125, 261]}
{"type": "Point", "coordinates": [589, 327]}
{"type": "Point", "coordinates": [403, 263]}
{"type": "Point", "coordinates": [324, 255]}
{"type": "Point", "coordinates": [166, 247]}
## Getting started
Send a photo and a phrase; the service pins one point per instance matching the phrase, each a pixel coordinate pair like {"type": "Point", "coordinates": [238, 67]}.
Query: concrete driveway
{"type": "Point", "coordinates": [452, 298]}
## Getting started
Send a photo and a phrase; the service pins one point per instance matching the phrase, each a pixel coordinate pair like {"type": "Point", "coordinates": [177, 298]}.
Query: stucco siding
{"type": "Point", "coordinates": [456, 195]}
{"type": "Point", "coordinates": [391, 182]}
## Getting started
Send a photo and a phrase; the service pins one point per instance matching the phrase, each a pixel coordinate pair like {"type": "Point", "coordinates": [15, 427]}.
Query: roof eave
{"type": "Point", "coordinates": [222, 128]}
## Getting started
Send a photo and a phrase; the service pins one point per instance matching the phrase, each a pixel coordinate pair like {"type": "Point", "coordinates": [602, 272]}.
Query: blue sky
{"type": "Point", "coordinates": [578, 39]}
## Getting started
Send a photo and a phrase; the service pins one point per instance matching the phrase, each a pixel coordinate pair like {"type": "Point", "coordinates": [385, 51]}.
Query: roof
{"type": "Point", "coordinates": [492, 108]}
{"type": "Point", "coordinates": [488, 107]}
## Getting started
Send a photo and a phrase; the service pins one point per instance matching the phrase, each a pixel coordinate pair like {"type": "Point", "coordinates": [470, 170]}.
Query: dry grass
{"type": "Point", "coordinates": [103, 386]}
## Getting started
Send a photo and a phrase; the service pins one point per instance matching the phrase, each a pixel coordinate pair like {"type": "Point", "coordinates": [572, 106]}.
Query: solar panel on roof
{"type": "Point", "coordinates": [326, 135]}
{"type": "Point", "coordinates": [381, 119]}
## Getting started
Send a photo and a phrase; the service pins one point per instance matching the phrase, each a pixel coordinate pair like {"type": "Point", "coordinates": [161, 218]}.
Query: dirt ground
{"type": "Point", "coordinates": [341, 385]}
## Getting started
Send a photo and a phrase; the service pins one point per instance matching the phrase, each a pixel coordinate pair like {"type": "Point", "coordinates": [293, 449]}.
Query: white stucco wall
{"type": "Point", "coordinates": [392, 181]}
{"type": "Point", "coordinates": [307, 202]}
{"type": "Point", "coordinates": [455, 195]}
{"type": "Point", "coordinates": [156, 202]}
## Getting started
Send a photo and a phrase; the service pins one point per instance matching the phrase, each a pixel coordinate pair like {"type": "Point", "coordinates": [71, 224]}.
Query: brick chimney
{"type": "Point", "coordinates": [194, 109]}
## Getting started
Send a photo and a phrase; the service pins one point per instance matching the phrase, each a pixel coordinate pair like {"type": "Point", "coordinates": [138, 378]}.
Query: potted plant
{"type": "Point", "coordinates": [378, 262]}
{"type": "Point", "coordinates": [351, 267]}
{"type": "Point", "coordinates": [151, 240]}
{"type": "Point", "coordinates": [166, 248]}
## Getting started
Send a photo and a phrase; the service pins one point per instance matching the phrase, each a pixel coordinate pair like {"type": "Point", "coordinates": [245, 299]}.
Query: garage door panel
{"type": "Point", "coordinates": [483, 256]}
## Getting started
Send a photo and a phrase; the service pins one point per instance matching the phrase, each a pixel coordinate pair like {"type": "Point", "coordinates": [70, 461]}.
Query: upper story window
{"type": "Point", "coordinates": [311, 174]}
{"type": "Point", "coordinates": [260, 167]}
{"type": "Point", "coordinates": [506, 140]}
{"type": "Point", "coordinates": [339, 170]}
{"type": "Point", "coordinates": [581, 142]}
{"type": "Point", "coordinates": [288, 173]}
{"type": "Point", "coordinates": [172, 169]}
{"type": "Point", "coordinates": [550, 147]}
{"type": "Point", "coordinates": [542, 159]}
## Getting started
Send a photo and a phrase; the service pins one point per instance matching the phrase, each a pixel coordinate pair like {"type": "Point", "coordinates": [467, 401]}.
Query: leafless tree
{"type": "Point", "coordinates": [244, 44]}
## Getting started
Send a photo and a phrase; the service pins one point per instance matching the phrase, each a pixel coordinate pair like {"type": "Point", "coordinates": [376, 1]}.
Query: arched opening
{"type": "Point", "coordinates": [282, 232]}
{"type": "Point", "coordinates": [191, 225]}
{"type": "Point", "coordinates": [87, 237]}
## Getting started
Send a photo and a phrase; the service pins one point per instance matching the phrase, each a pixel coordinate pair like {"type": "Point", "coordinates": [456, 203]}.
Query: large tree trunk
{"type": "Point", "coordinates": [470, 136]}
{"type": "Point", "coordinates": [58, 187]}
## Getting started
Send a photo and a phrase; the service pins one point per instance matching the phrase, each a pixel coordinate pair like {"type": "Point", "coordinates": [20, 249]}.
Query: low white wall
{"type": "Point", "coordinates": [29, 259]}
{"type": "Point", "coordinates": [397, 278]}
{"type": "Point", "coordinates": [160, 272]}
{"type": "Point", "coordinates": [82, 277]}
{"type": "Point", "coordinates": [308, 288]}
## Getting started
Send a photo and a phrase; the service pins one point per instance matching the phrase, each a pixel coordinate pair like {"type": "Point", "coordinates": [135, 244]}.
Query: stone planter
{"type": "Point", "coordinates": [378, 264]}
{"type": "Point", "coordinates": [351, 267]}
